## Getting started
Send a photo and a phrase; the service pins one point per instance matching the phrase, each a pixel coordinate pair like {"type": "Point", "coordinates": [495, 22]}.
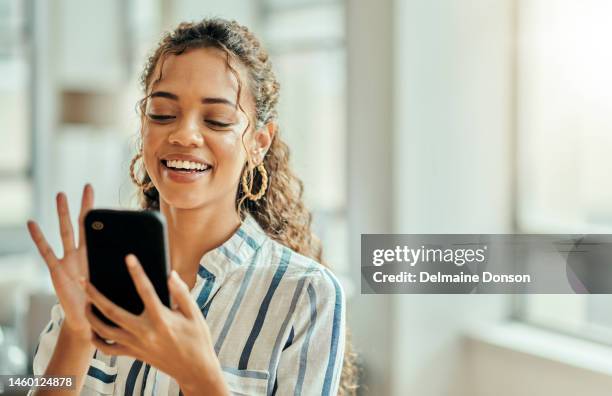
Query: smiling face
{"type": "Point", "coordinates": [193, 130]}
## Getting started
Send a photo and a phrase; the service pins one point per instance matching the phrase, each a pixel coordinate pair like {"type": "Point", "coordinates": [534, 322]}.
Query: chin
{"type": "Point", "coordinates": [184, 200]}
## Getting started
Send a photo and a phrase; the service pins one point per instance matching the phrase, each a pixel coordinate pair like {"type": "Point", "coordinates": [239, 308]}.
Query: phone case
{"type": "Point", "coordinates": [113, 234]}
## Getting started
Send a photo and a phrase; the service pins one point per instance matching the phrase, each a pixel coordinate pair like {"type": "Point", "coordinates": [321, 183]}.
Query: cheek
{"type": "Point", "coordinates": [150, 143]}
{"type": "Point", "coordinates": [228, 151]}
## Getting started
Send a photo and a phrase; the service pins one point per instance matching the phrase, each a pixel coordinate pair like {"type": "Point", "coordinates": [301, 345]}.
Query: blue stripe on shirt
{"type": "Point", "coordinates": [304, 352]}
{"type": "Point", "coordinates": [277, 345]}
{"type": "Point", "coordinates": [334, 338]}
{"type": "Point", "coordinates": [144, 379]}
{"type": "Point", "coordinates": [207, 307]}
{"type": "Point", "coordinates": [204, 273]}
{"type": "Point", "coordinates": [130, 383]}
{"type": "Point", "coordinates": [263, 310]}
{"type": "Point", "coordinates": [236, 305]}
{"type": "Point", "coordinates": [250, 241]}
{"type": "Point", "coordinates": [290, 338]}
{"type": "Point", "coordinates": [209, 279]}
{"type": "Point", "coordinates": [246, 373]}
{"type": "Point", "coordinates": [101, 375]}
{"type": "Point", "coordinates": [231, 256]}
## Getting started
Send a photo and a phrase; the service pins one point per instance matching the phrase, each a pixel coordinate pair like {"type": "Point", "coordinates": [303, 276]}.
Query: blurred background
{"type": "Point", "coordinates": [404, 116]}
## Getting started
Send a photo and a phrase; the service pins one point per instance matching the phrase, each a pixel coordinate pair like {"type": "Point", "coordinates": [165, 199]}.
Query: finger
{"type": "Point", "coordinates": [105, 331]}
{"type": "Point", "coordinates": [86, 205]}
{"type": "Point", "coordinates": [43, 246]}
{"type": "Point", "coordinates": [66, 231]}
{"type": "Point", "coordinates": [145, 289]}
{"type": "Point", "coordinates": [179, 292]}
{"type": "Point", "coordinates": [111, 349]}
{"type": "Point", "coordinates": [120, 316]}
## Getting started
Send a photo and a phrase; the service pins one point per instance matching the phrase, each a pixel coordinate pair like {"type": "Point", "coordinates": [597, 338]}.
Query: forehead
{"type": "Point", "coordinates": [198, 73]}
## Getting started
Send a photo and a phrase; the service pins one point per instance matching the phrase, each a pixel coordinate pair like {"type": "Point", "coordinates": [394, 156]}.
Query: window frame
{"type": "Point", "coordinates": [14, 238]}
{"type": "Point", "coordinates": [518, 311]}
{"type": "Point", "coordinates": [304, 46]}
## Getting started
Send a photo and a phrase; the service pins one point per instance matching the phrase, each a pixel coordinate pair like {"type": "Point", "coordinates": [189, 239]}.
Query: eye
{"type": "Point", "coordinates": [161, 118]}
{"type": "Point", "coordinates": [218, 124]}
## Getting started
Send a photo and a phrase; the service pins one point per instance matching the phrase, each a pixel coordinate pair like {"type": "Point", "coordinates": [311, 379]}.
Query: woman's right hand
{"type": "Point", "coordinates": [67, 271]}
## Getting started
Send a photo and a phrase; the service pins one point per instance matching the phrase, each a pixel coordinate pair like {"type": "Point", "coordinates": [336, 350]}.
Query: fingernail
{"type": "Point", "coordinates": [174, 275]}
{"type": "Point", "coordinates": [129, 260]}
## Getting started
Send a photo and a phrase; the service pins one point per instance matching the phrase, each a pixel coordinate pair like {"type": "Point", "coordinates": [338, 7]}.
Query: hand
{"type": "Point", "coordinates": [67, 271]}
{"type": "Point", "coordinates": [177, 341]}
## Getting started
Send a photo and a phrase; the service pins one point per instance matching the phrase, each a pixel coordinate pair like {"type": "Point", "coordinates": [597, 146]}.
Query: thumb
{"type": "Point", "coordinates": [179, 292]}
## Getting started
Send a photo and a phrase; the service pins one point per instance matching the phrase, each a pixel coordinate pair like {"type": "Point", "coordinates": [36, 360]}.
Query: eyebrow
{"type": "Point", "coordinates": [207, 100]}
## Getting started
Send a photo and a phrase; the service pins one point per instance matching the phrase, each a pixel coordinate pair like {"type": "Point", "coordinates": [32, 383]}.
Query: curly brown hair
{"type": "Point", "coordinates": [281, 211]}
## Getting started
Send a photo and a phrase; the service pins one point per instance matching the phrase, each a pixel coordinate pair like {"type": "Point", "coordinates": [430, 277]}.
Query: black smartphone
{"type": "Point", "coordinates": [113, 234]}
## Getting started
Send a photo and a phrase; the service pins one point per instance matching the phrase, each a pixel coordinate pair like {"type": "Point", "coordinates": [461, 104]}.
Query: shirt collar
{"type": "Point", "coordinates": [234, 252]}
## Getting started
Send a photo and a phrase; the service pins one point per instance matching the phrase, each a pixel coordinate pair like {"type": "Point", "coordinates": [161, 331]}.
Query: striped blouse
{"type": "Point", "coordinates": [276, 318]}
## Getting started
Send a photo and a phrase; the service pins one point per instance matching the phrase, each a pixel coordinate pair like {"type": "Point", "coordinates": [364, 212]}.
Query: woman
{"type": "Point", "coordinates": [254, 315]}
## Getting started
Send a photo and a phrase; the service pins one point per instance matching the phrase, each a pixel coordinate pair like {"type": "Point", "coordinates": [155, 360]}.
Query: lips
{"type": "Point", "coordinates": [186, 166]}
{"type": "Point", "coordinates": [183, 168]}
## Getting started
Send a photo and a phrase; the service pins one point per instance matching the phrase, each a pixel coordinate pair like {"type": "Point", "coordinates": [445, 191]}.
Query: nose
{"type": "Point", "coordinates": [187, 133]}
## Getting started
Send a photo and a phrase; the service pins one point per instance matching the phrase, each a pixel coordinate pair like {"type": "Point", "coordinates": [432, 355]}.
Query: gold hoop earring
{"type": "Point", "coordinates": [246, 188]}
{"type": "Point", "coordinates": [144, 186]}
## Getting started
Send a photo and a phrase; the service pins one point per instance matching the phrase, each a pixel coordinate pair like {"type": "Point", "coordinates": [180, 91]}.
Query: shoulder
{"type": "Point", "coordinates": [297, 269]}
{"type": "Point", "coordinates": [288, 269]}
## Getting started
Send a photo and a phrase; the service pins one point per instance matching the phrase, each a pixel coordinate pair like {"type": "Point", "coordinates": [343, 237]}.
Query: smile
{"type": "Point", "coordinates": [185, 166]}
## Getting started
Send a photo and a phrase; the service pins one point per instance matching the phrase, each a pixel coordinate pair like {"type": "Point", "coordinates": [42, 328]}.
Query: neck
{"type": "Point", "coordinates": [193, 232]}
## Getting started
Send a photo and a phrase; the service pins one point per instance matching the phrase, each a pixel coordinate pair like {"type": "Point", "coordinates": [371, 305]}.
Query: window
{"type": "Point", "coordinates": [15, 155]}
{"type": "Point", "coordinates": [564, 120]}
{"type": "Point", "coordinates": [306, 42]}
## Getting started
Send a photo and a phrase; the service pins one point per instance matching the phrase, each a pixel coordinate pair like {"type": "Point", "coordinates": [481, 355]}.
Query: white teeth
{"type": "Point", "coordinates": [185, 165]}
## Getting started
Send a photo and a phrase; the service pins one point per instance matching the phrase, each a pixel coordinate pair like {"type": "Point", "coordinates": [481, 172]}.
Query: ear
{"type": "Point", "coordinates": [262, 139]}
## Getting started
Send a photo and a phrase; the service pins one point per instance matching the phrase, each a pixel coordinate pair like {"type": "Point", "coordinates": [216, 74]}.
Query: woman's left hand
{"type": "Point", "coordinates": [176, 341]}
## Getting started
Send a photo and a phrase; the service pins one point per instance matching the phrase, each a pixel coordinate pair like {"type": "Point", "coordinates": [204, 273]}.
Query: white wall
{"type": "Point", "coordinates": [369, 142]}
{"type": "Point", "coordinates": [496, 370]}
{"type": "Point", "coordinates": [452, 167]}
